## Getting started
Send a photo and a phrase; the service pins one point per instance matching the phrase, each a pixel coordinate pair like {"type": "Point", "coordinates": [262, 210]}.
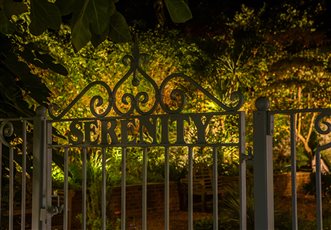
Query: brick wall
{"type": "Point", "coordinates": [155, 198]}
{"type": "Point", "coordinates": [155, 204]}
{"type": "Point", "coordinates": [283, 184]}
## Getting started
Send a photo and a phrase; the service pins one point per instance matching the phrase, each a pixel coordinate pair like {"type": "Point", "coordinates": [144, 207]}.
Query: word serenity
{"type": "Point", "coordinates": [140, 130]}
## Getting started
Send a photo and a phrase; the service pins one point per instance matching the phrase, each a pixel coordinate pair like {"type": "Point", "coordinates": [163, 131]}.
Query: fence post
{"type": "Point", "coordinates": [38, 179]}
{"type": "Point", "coordinates": [263, 166]}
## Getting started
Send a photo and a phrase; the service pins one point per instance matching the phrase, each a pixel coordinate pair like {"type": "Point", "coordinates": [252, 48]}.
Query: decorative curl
{"type": "Point", "coordinates": [236, 98]}
{"type": "Point", "coordinates": [137, 103]}
{"type": "Point", "coordinates": [95, 102]}
{"type": "Point", "coordinates": [141, 98]}
{"type": "Point", "coordinates": [146, 102]}
{"type": "Point", "coordinates": [178, 98]}
{"type": "Point", "coordinates": [6, 130]}
{"type": "Point", "coordinates": [128, 99]}
{"type": "Point", "coordinates": [323, 127]}
{"type": "Point", "coordinates": [127, 60]}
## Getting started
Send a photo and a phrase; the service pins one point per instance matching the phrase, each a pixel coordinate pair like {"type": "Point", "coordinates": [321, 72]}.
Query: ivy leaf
{"type": "Point", "coordinates": [178, 10]}
{"type": "Point", "coordinates": [44, 15]}
{"type": "Point", "coordinates": [119, 29]}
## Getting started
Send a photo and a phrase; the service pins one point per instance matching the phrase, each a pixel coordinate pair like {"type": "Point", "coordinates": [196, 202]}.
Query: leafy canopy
{"type": "Point", "coordinates": [89, 20]}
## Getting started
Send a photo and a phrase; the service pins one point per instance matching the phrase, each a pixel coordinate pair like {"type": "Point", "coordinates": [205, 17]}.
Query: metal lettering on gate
{"type": "Point", "coordinates": [137, 112]}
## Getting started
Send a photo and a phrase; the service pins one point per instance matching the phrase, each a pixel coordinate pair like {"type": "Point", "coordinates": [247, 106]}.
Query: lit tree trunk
{"type": "Point", "coordinates": [305, 138]}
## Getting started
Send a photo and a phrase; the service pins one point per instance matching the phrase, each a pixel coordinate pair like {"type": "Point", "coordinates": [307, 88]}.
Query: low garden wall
{"type": "Point", "coordinates": [283, 186]}
{"type": "Point", "coordinates": [155, 197]}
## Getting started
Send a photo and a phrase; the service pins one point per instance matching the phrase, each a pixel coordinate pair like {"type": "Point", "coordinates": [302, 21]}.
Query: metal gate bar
{"type": "Point", "coordinates": [65, 208]}
{"type": "Point", "coordinates": [319, 215]}
{"type": "Point", "coordinates": [23, 199]}
{"type": "Point", "coordinates": [166, 189]}
{"type": "Point", "coordinates": [293, 172]}
{"type": "Point", "coordinates": [11, 187]}
{"type": "Point", "coordinates": [242, 171]}
{"type": "Point", "coordinates": [215, 189]}
{"type": "Point", "coordinates": [144, 190]}
{"type": "Point", "coordinates": [123, 189]}
{"type": "Point", "coordinates": [50, 210]}
{"type": "Point", "coordinates": [104, 190]}
{"type": "Point", "coordinates": [84, 187]}
{"type": "Point", "coordinates": [190, 188]}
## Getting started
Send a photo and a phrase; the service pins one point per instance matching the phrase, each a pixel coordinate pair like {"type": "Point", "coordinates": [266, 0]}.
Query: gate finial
{"type": "Point", "coordinates": [262, 104]}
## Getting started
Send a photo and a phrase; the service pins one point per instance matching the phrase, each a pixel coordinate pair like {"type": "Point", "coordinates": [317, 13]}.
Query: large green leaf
{"type": "Point", "coordinates": [178, 10]}
{"type": "Point", "coordinates": [32, 84]}
{"type": "Point", "coordinates": [12, 7]}
{"type": "Point", "coordinates": [80, 28]}
{"type": "Point", "coordinates": [91, 22]}
{"type": "Point", "coordinates": [81, 34]}
{"type": "Point", "coordinates": [34, 55]}
{"type": "Point", "coordinates": [97, 39]}
{"type": "Point", "coordinates": [99, 11]}
{"type": "Point", "coordinates": [6, 27]}
{"type": "Point", "coordinates": [66, 6]}
{"type": "Point", "coordinates": [50, 63]}
{"type": "Point", "coordinates": [119, 29]}
{"type": "Point", "coordinates": [44, 15]}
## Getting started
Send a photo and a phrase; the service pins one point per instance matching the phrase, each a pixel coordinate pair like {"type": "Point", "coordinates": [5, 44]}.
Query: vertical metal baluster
{"type": "Point", "coordinates": [65, 209]}
{"type": "Point", "coordinates": [215, 189]}
{"type": "Point", "coordinates": [23, 204]}
{"type": "Point", "coordinates": [144, 190]}
{"type": "Point", "coordinates": [48, 171]}
{"type": "Point", "coordinates": [11, 188]}
{"type": "Point", "coordinates": [104, 190]}
{"type": "Point", "coordinates": [166, 189]}
{"type": "Point", "coordinates": [242, 171]}
{"type": "Point", "coordinates": [123, 190]}
{"type": "Point", "coordinates": [84, 186]}
{"type": "Point", "coordinates": [294, 172]}
{"type": "Point", "coordinates": [190, 188]}
{"type": "Point", "coordinates": [319, 216]}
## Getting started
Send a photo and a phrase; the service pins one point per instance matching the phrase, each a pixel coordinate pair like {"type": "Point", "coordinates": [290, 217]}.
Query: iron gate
{"type": "Point", "coordinates": [263, 161]}
{"type": "Point", "coordinates": [126, 118]}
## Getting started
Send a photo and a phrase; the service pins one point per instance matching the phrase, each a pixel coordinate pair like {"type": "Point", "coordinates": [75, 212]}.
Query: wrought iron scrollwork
{"type": "Point", "coordinates": [326, 128]}
{"type": "Point", "coordinates": [141, 99]}
{"type": "Point", "coordinates": [96, 102]}
{"type": "Point", "coordinates": [143, 102]}
{"type": "Point", "coordinates": [180, 97]}
{"type": "Point", "coordinates": [6, 130]}
{"type": "Point", "coordinates": [323, 127]}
